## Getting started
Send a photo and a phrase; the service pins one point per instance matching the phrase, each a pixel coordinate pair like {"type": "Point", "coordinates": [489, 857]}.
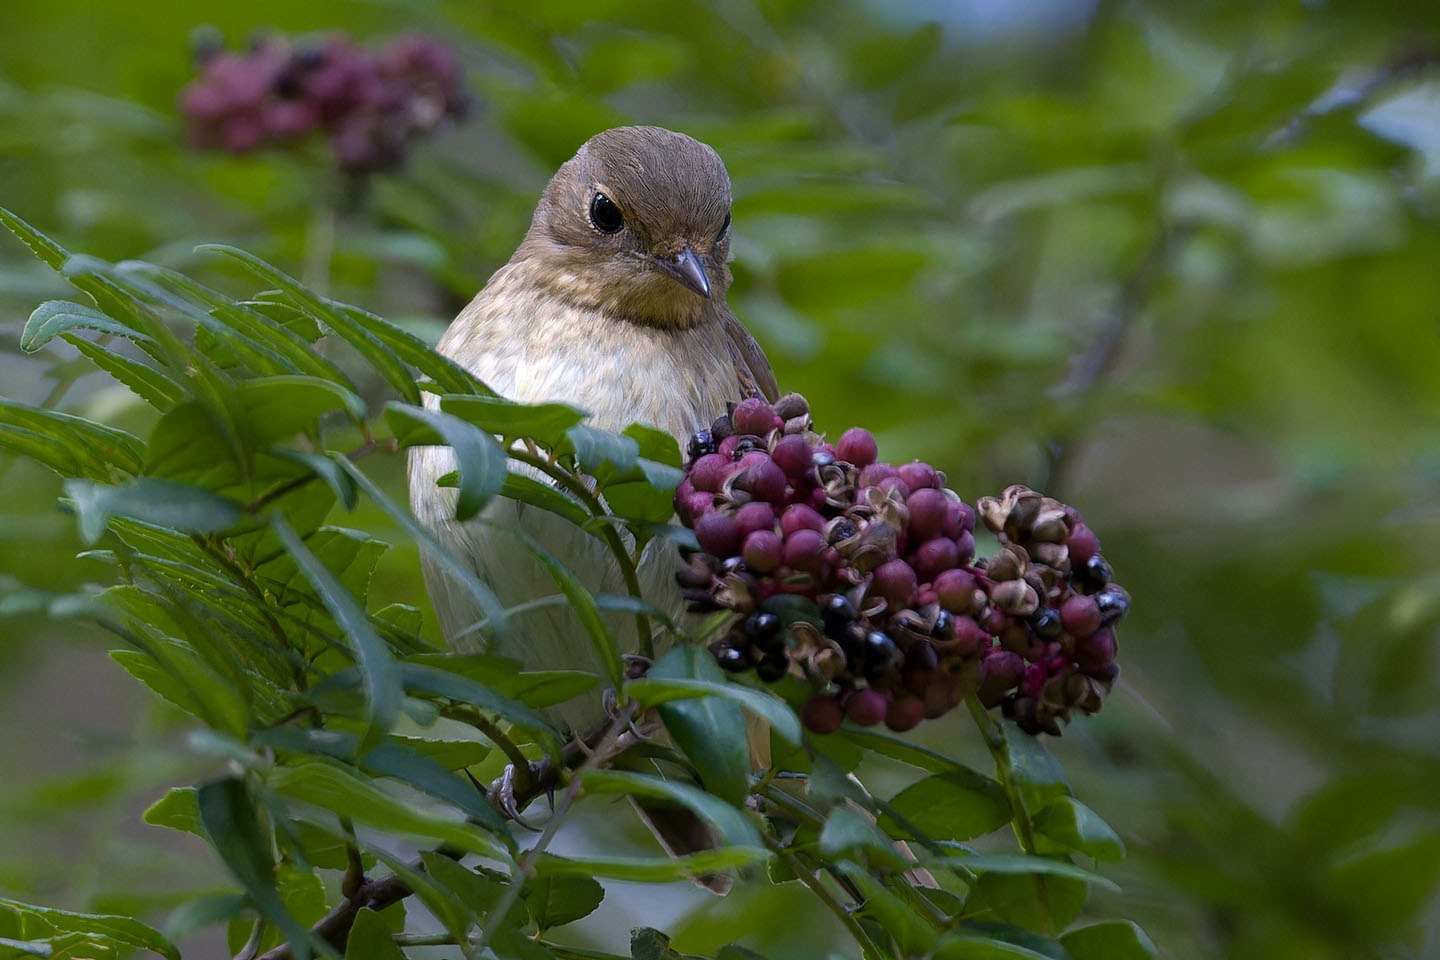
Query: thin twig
{"type": "Point", "coordinates": [868, 948]}
{"type": "Point", "coordinates": [1000, 751]}
{"type": "Point", "coordinates": [608, 746]}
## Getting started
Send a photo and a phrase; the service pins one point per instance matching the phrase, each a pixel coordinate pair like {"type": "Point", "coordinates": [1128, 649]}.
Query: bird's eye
{"type": "Point", "coordinates": [724, 227]}
{"type": "Point", "coordinates": [604, 215]}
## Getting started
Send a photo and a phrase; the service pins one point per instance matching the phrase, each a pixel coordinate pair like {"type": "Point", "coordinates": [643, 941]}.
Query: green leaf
{"type": "Point", "coordinates": [1039, 901]}
{"type": "Point", "coordinates": [530, 491]}
{"type": "Point", "coordinates": [431, 680]}
{"type": "Point", "coordinates": [735, 828]}
{"type": "Point", "coordinates": [178, 809]}
{"type": "Point", "coordinates": [556, 899]}
{"type": "Point", "coordinates": [1036, 774]}
{"type": "Point", "coordinates": [1111, 940]}
{"type": "Point", "coordinates": [119, 930]}
{"type": "Point", "coordinates": [371, 938]}
{"type": "Point", "coordinates": [652, 691]}
{"type": "Point", "coordinates": [912, 753]}
{"type": "Point", "coordinates": [1070, 823]}
{"type": "Point", "coordinates": [483, 465]}
{"type": "Point", "coordinates": [147, 383]}
{"type": "Point", "coordinates": [484, 597]}
{"type": "Point", "coordinates": [1020, 864]}
{"type": "Point", "coordinates": [178, 674]}
{"type": "Point", "coordinates": [279, 407]}
{"type": "Point", "coordinates": [203, 912]}
{"type": "Point", "coordinates": [608, 457]}
{"type": "Point", "coordinates": [969, 946]}
{"type": "Point", "coordinates": [328, 785]}
{"type": "Point", "coordinates": [227, 812]}
{"type": "Point", "coordinates": [912, 932]}
{"type": "Point", "coordinates": [448, 375]}
{"type": "Point", "coordinates": [450, 754]}
{"type": "Point", "coordinates": [847, 833]}
{"type": "Point", "coordinates": [71, 446]}
{"type": "Point", "coordinates": [651, 869]}
{"type": "Point", "coordinates": [377, 354]}
{"type": "Point", "coordinates": [377, 666]}
{"type": "Point", "coordinates": [534, 688]}
{"type": "Point", "coordinates": [709, 730]}
{"type": "Point", "coordinates": [326, 469]}
{"type": "Point", "coordinates": [164, 503]}
{"type": "Point", "coordinates": [544, 423]}
{"type": "Point", "coordinates": [958, 805]}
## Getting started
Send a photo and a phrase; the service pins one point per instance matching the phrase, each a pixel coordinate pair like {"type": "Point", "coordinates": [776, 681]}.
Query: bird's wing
{"type": "Point", "coordinates": [753, 368]}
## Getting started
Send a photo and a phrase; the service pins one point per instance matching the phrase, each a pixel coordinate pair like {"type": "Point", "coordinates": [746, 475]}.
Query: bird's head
{"type": "Point", "coordinates": [637, 225]}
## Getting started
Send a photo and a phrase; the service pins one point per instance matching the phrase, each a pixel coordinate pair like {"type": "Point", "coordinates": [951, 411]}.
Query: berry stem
{"type": "Point", "coordinates": [1000, 750]}
{"type": "Point", "coordinates": [607, 534]}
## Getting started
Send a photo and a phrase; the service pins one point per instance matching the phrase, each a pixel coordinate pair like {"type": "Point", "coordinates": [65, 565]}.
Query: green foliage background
{"type": "Point", "coordinates": [1173, 263]}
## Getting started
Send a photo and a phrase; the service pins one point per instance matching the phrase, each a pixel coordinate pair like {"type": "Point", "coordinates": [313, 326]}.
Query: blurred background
{"type": "Point", "coordinates": [1174, 263]}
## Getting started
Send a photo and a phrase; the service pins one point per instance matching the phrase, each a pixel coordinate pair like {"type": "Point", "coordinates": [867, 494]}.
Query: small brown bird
{"type": "Point", "coordinates": [615, 303]}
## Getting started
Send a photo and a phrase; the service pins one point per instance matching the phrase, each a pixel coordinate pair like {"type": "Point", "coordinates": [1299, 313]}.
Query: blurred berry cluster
{"type": "Point", "coordinates": [371, 105]}
{"type": "Point", "coordinates": [862, 578]}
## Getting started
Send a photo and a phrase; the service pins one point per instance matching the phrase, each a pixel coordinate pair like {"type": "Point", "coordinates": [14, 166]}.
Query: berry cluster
{"type": "Point", "coordinates": [371, 105]}
{"type": "Point", "coordinates": [862, 577]}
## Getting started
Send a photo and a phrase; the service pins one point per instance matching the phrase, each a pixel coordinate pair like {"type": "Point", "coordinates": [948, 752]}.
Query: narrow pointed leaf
{"type": "Point", "coordinates": [734, 826]}
{"type": "Point", "coordinates": [483, 465]}
{"type": "Point", "coordinates": [147, 383]}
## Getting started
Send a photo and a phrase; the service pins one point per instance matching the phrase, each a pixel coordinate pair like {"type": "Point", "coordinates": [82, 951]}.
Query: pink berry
{"type": "Point", "coordinates": [805, 550]}
{"type": "Point", "coordinates": [857, 445]}
{"type": "Point", "coordinates": [866, 707]}
{"type": "Point", "coordinates": [959, 519]}
{"type": "Point", "coordinates": [970, 637]}
{"type": "Point", "coordinates": [718, 534]}
{"type": "Point", "coordinates": [1080, 616]}
{"type": "Point", "coordinates": [905, 713]}
{"type": "Point", "coordinates": [765, 481]}
{"type": "Point", "coordinates": [928, 511]}
{"type": "Point", "coordinates": [822, 714]}
{"type": "Point", "coordinates": [1082, 544]}
{"type": "Point", "coordinates": [891, 486]}
{"type": "Point", "coordinates": [753, 416]}
{"type": "Point", "coordinates": [763, 550]}
{"type": "Point", "coordinates": [755, 515]}
{"type": "Point", "coordinates": [799, 516]}
{"type": "Point", "coordinates": [934, 557]}
{"type": "Point", "coordinates": [793, 454]}
{"type": "Point", "coordinates": [895, 581]}
{"type": "Point", "coordinates": [919, 476]}
{"type": "Point", "coordinates": [698, 505]}
{"type": "Point", "coordinates": [709, 472]}
{"type": "Point", "coordinates": [965, 547]}
{"type": "Point", "coordinates": [876, 472]}
{"type": "Point", "coordinates": [1096, 649]}
{"type": "Point", "coordinates": [729, 444]}
{"type": "Point", "coordinates": [955, 590]}
{"type": "Point", "coordinates": [1000, 671]}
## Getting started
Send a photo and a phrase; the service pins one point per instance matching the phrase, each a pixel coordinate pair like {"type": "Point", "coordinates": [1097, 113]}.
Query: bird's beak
{"type": "Point", "coordinates": [688, 270]}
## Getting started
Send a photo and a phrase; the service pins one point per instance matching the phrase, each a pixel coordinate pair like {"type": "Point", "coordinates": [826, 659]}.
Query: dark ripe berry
{"type": "Point", "coordinates": [718, 534]}
{"type": "Point", "coordinates": [842, 529]}
{"type": "Point", "coordinates": [857, 445]}
{"type": "Point", "coordinates": [822, 457]}
{"type": "Point", "coordinates": [1093, 574]}
{"type": "Point", "coordinates": [934, 557]}
{"type": "Point", "coordinates": [919, 476]}
{"type": "Point", "coordinates": [732, 565]}
{"type": "Point", "coordinates": [969, 637]}
{"type": "Point", "coordinates": [851, 638]}
{"type": "Point", "coordinates": [1047, 624]}
{"type": "Point", "coordinates": [800, 516]}
{"type": "Point", "coordinates": [761, 625]}
{"type": "Point", "coordinates": [928, 510]}
{"type": "Point", "coordinates": [709, 472]}
{"type": "Point", "coordinates": [753, 516]}
{"type": "Point", "coordinates": [876, 472]}
{"type": "Point", "coordinates": [866, 707]}
{"type": "Point", "coordinates": [836, 613]}
{"type": "Point", "coordinates": [1113, 604]}
{"type": "Point", "coordinates": [882, 657]}
{"type": "Point", "coordinates": [1026, 714]}
{"type": "Point", "coordinates": [793, 454]}
{"type": "Point", "coordinates": [1096, 649]}
{"type": "Point", "coordinates": [959, 519]}
{"type": "Point", "coordinates": [905, 713]}
{"type": "Point", "coordinates": [730, 658]}
{"type": "Point", "coordinates": [1080, 615]}
{"type": "Point", "coordinates": [721, 428]}
{"type": "Point", "coordinates": [753, 415]}
{"type": "Point", "coordinates": [965, 547]}
{"type": "Point", "coordinates": [940, 696]}
{"type": "Point", "coordinates": [805, 550]}
{"type": "Point", "coordinates": [1082, 544]}
{"type": "Point", "coordinates": [1106, 672]}
{"type": "Point", "coordinates": [763, 550]}
{"type": "Point", "coordinates": [1000, 671]}
{"type": "Point", "coordinates": [822, 713]}
{"type": "Point", "coordinates": [772, 667]}
{"type": "Point", "coordinates": [895, 581]}
{"type": "Point", "coordinates": [894, 486]}
{"type": "Point", "coordinates": [701, 443]}
{"type": "Point", "coordinates": [944, 624]}
{"type": "Point", "coordinates": [921, 658]}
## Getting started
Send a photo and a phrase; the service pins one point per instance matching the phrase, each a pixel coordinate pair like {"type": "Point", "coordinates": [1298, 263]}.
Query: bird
{"type": "Point", "coordinates": [614, 302]}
